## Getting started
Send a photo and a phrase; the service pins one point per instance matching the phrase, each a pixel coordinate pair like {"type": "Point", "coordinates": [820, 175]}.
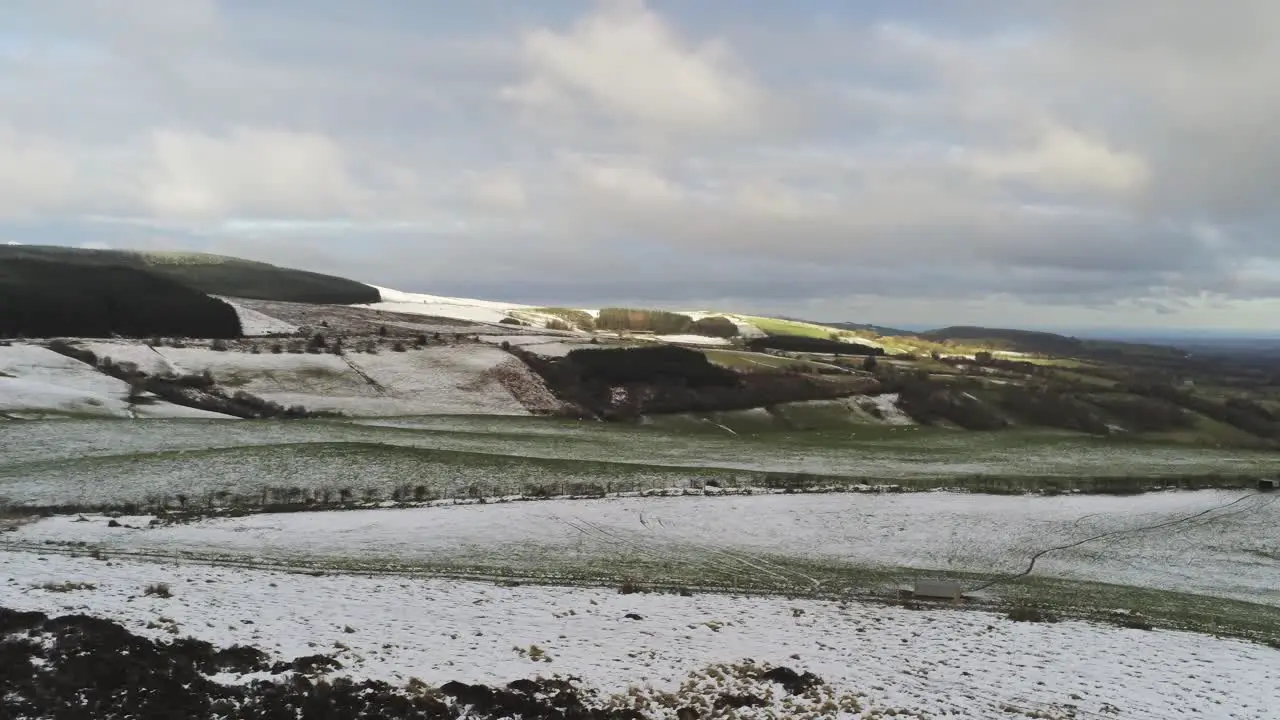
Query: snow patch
{"type": "Point", "coordinates": [886, 406]}
{"type": "Point", "coordinates": [254, 323]}
{"type": "Point", "coordinates": [486, 311]}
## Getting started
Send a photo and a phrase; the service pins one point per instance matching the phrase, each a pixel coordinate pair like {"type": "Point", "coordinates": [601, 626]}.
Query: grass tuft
{"type": "Point", "coordinates": [160, 590]}
{"type": "Point", "coordinates": [67, 586]}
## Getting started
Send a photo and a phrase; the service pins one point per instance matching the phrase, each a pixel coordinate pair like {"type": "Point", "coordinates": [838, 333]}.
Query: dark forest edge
{"type": "Point", "coordinates": [56, 291]}
{"type": "Point", "coordinates": [43, 298]}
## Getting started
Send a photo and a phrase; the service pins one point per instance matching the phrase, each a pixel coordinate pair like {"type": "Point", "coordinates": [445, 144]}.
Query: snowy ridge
{"type": "Point", "coordinates": [485, 311]}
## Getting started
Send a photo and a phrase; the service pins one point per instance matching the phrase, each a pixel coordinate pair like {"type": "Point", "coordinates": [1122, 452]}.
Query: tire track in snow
{"type": "Point", "coordinates": [1131, 531]}
{"type": "Point", "coordinates": [363, 375]}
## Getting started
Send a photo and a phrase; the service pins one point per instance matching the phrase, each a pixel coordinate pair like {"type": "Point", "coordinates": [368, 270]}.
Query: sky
{"type": "Point", "coordinates": [996, 162]}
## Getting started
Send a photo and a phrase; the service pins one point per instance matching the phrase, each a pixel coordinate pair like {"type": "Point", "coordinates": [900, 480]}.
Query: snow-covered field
{"type": "Point", "coordinates": [687, 340]}
{"type": "Point", "coordinates": [548, 345]}
{"type": "Point", "coordinates": [254, 323]}
{"type": "Point", "coordinates": [444, 380]}
{"type": "Point", "coordinates": [935, 663]}
{"type": "Point", "coordinates": [1209, 543]}
{"type": "Point", "coordinates": [484, 311]}
{"type": "Point", "coordinates": [34, 379]}
{"type": "Point", "coordinates": [459, 379]}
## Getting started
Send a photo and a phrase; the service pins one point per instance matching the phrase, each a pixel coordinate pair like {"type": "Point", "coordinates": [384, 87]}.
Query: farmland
{"type": "Point", "coordinates": [489, 548]}
{"type": "Point", "coordinates": [98, 463]}
{"type": "Point", "coordinates": [440, 508]}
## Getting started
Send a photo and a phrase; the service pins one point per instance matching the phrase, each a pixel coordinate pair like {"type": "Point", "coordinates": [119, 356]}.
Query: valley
{"type": "Point", "coordinates": [663, 509]}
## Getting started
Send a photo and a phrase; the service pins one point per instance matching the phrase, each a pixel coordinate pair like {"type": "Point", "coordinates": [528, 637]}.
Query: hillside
{"type": "Point", "coordinates": [44, 298]}
{"type": "Point", "coordinates": [1045, 343]}
{"type": "Point", "coordinates": [209, 274]}
{"type": "Point", "coordinates": [400, 353]}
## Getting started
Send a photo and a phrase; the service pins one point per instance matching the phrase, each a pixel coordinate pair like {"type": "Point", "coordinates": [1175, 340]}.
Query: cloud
{"type": "Point", "coordinates": [36, 174]}
{"type": "Point", "coordinates": [625, 62]}
{"type": "Point", "coordinates": [1062, 159]}
{"type": "Point", "coordinates": [860, 162]}
{"type": "Point", "coordinates": [247, 171]}
{"type": "Point", "coordinates": [500, 190]}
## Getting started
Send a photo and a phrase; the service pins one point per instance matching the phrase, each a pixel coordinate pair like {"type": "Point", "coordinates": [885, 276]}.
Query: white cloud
{"type": "Point", "coordinates": [626, 62]}
{"type": "Point", "coordinates": [500, 190]}
{"type": "Point", "coordinates": [36, 174]}
{"type": "Point", "coordinates": [628, 180]}
{"type": "Point", "coordinates": [1062, 159]}
{"type": "Point", "coordinates": [248, 171]}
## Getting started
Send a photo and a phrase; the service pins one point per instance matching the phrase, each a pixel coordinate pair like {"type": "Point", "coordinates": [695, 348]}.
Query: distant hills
{"type": "Point", "coordinates": [1034, 342]}
{"type": "Point", "coordinates": [48, 291]}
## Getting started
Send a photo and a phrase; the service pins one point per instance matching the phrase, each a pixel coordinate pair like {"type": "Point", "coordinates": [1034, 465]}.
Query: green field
{"type": "Point", "coordinates": [87, 463]}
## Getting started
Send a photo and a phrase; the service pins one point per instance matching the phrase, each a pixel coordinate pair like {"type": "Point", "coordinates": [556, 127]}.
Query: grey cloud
{"type": "Point", "coordinates": [1060, 153]}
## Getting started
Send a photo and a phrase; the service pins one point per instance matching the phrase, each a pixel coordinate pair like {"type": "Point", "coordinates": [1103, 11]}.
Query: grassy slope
{"type": "Point", "coordinates": [211, 274]}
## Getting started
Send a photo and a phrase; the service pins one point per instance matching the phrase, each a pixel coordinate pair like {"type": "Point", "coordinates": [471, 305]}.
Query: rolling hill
{"type": "Point", "coordinates": [1045, 343]}
{"type": "Point", "coordinates": [209, 274]}
{"type": "Point", "coordinates": [970, 378]}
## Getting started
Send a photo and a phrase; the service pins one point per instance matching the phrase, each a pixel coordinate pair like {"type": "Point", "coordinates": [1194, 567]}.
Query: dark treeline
{"type": "Point", "coordinates": [41, 298]}
{"type": "Point", "coordinates": [799, 343]}
{"type": "Point", "coordinates": [210, 274]}
{"type": "Point", "coordinates": [656, 321]}
{"type": "Point", "coordinates": [661, 322]}
{"type": "Point", "coordinates": [623, 384]}
{"type": "Point", "coordinates": [661, 363]}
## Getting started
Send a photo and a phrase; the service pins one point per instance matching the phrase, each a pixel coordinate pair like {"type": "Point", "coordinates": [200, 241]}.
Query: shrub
{"type": "Point", "coordinates": [276, 348]}
{"type": "Point", "coordinates": [558, 324]}
{"type": "Point", "coordinates": [160, 590]}
{"type": "Point", "coordinates": [254, 349]}
{"type": "Point", "coordinates": [657, 321]}
{"type": "Point", "coordinates": [1134, 621]}
{"type": "Point", "coordinates": [68, 586]}
{"type": "Point", "coordinates": [508, 320]}
{"type": "Point", "coordinates": [1026, 613]}
{"type": "Point", "coordinates": [398, 347]}
{"type": "Point", "coordinates": [715, 326]}
{"type": "Point", "coordinates": [220, 345]}
{"type": "Point", "coordinates": [382, 331]}
{"type": "Point", "coordinates": [574, 317]}
{"type": "Point", "coordinates": [630, 587]}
